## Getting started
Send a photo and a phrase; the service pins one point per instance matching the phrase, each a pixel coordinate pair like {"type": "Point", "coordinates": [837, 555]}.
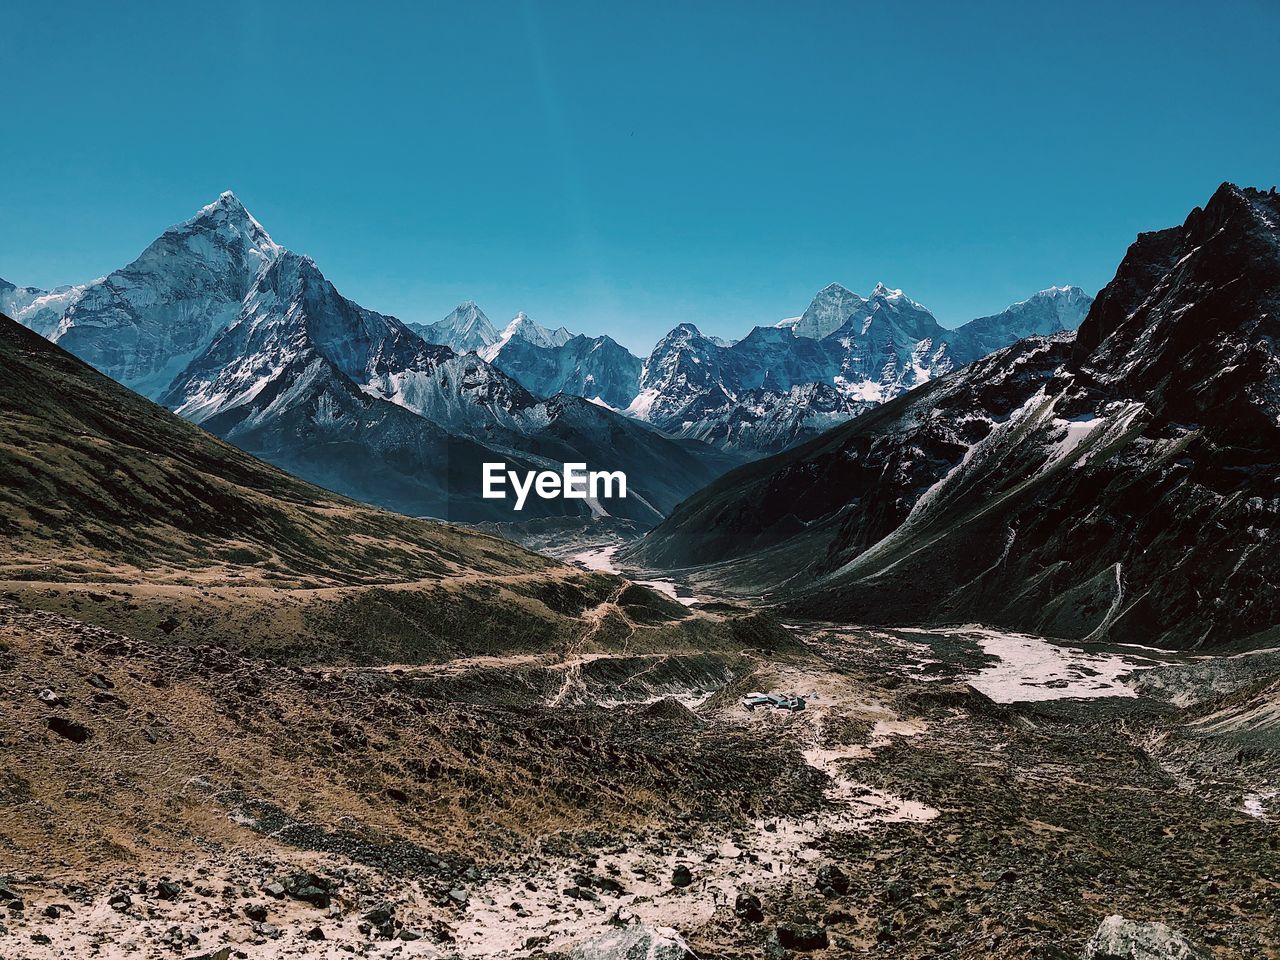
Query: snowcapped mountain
{"type": "Point", "coordinates": [544, 361]}
{"type": "Point", "coordinates": [311, 380]}
{"type": "Point", "coordinates": [466, 330]}
{"type": "Point", "coordinates": [525, 330]}
{"type": "Point", "coordinates": [230, 329]}
{"type": "Point", "coordinates": [1116, 484]}
{"type": "Point", "coordinates": [827, 313]}
{"type": "Point", "coordinates": [746, 395]}
{"type": "Point", "coordinates": [684, 367]}
{"type": "Point", "coordinates": [251, 341]}
{"type": "Point", "coordinates": [762, 420]}
{"type": "Point", "coordinates": [869, 351]}
{"type": "Point", "coordinates": [1044, 314]}
{"type": "Point", "coordinates": [40, 310]}
{"type": "Point", "coordinates": [141, 324]}
{"type": "Point", "coordinates": [290, 318]}
{"type": "Point", "coordinates": [598, 368]}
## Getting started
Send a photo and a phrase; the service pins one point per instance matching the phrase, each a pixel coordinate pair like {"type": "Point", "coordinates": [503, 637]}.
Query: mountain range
{"type": "Point", "coordinates": [545, 362]}
{"type": "Point", "coordinates": [1119, 483]}
{"type": "Point", "coordinates": [845, 354]}
{"type": "Point", "coordinates": [251, 341]}
{"type": "Point", "coordinates": [774, 388]}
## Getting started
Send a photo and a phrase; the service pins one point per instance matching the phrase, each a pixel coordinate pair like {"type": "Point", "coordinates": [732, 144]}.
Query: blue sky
{"type": "Point", "coordinates": [621, 169]}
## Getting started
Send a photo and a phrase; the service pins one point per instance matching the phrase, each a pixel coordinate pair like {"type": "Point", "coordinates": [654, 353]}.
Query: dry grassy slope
{"type": "Point", "coordinates": [172, 747]}
{"type": "Point", "coordinates": [98, 483]}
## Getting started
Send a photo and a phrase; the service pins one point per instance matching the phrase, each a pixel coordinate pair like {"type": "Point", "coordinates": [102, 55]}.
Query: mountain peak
{"type": "Point", "coordinates": [1205, 288]}
{"type": "Point", "coordinates": [835, 288]}
{"type": "Point", "coordinates": [227, 213]}
{"type": "Point", "coordinates": [468, 312]}
{"type": "Point", "coordinates": [1259, 207]}
{"type": "Point", "coordinates": [227, 203]}
{"type": "Point", "coordinates": [523, 327]}
{"type": "Point", "coordinates": [774, 334]}
{"type": "Point", "coordinates": [684, 330]}
{"type": "Point", "coordinates": [465, 330]}
{"type": "Point", "coordinates": [827, 312]}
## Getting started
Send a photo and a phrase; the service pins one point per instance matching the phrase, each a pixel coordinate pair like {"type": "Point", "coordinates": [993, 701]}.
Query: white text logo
{"type": "Point", "coordinates": [575, 483]}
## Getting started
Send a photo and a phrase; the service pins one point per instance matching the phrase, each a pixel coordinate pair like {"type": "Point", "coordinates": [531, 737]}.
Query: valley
{"type": "Point", "coordinates": [987, 671]}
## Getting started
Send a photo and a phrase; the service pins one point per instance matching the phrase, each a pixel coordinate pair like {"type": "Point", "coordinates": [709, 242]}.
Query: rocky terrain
{"type": "Point", "coordinates": [164, 799]}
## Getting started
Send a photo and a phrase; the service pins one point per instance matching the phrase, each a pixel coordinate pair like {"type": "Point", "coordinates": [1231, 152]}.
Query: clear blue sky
{"type": "Point", "coordinates": [621, 169]}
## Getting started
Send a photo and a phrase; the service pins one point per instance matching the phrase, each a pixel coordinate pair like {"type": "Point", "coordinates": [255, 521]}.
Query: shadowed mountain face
{"type": "Point", "coordinates": [1123, 484]}
{"type": "Point", "coordinates": [597, 368]}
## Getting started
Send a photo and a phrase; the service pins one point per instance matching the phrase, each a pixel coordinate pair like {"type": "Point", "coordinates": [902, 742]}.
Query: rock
{"type": "Point", "coordinates": [634, 943]}
{"type": "Point", "coordinates": [68, 729]}
{"type": "Point", "coordinates": [832, 878]}
{"type": "Point", "coordinates": [897, 890]}
{"type": "Point", "coordinates": [802, 936]}
{"type": "Point", "coordinates": [309, 888]}
{"type": "Point", "coordinates": [380, 914]}
{"type": "Point", "coordinates": [316, 934]}
{"type": "Point", "coordinates": [120, 900]}
{"type": "Point", "coordinates": [274, 889]}
{"type": "Point", "coordinates": [223, 953]}
{"type": "Point", "coordinates": [168, 890]}
{"type": "Point", "coordinates": [7, 892]}
{"type": "Point", "coordinates": [52, 912]}
{"type": "Point", "coordinates": [17, 905]}
{"type": "Point", "coordinates": [459, 896]}
{"type": "Point", "coordinates": [267, 930]}
{"type": "Point", "coordinates": [1121, 939]}
{"type": "Point", "coordinates": [174, 939]}
{"type": "Point", "coordinates": [747, 907]}
{"type": "Point", "coordinates": [41, 939]}
{"type": "Point", "coordinates": [256, 912]}
{"type": "Point", "coordinates": [681, 876]}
